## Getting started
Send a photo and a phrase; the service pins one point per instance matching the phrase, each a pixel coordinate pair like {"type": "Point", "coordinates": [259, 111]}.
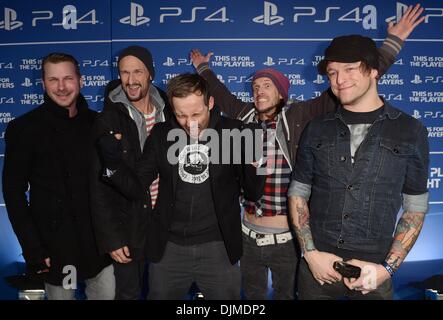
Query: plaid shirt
{"type": "Point", "coordinates": [274, 199]}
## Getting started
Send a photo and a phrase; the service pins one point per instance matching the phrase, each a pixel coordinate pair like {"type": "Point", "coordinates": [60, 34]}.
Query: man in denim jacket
{"type": "Point", "coordinates": [357, 166]}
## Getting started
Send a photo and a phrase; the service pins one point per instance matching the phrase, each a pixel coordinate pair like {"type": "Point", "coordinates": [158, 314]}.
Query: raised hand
{"type": "Point", "coordinates": [197, 58]}
{"type": "Point", "coordinates": [410, 19]}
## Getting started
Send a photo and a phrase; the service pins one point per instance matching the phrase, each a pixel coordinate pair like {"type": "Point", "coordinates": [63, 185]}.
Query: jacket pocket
{"type": "Point", "coordinates": [394, 160]}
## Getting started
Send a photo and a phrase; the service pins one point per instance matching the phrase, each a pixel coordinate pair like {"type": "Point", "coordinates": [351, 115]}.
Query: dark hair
{"type": "Point", "coordinates": [365, 68]}
{"type": "Point", "coordinates": [57, 57]}
{"type": "Point", "coordinates": [186, 84]}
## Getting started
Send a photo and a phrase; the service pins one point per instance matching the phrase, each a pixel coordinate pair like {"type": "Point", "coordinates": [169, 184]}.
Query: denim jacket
{"type": "Point", "coordinates": [354, 206]}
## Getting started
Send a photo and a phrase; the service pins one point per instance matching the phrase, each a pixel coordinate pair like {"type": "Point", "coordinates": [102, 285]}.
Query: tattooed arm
{"type": "Point", "coordinates": [320, 263]}
{"type": "Point", "coordinates": [299, 218]}
{"type": "Point", "coordinates": [406, 233]}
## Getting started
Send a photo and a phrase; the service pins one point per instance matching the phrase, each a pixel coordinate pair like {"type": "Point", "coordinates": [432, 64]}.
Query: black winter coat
{"type": "Point", "coordinates": [119, 221]}
{"type": "Point", "coordinates": [50, 152]}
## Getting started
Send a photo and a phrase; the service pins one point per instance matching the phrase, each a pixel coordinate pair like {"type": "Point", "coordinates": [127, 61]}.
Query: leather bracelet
{"type": "Point", "coordinates": [388, 268]}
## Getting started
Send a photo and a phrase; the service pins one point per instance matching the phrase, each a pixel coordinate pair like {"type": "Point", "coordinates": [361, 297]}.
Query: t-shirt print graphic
{"type": "Point", "coordinates": [193, 163]}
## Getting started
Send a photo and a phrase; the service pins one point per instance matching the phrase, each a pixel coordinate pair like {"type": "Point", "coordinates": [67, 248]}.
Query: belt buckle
{"type": "Point", "coordinates": [260, 240]}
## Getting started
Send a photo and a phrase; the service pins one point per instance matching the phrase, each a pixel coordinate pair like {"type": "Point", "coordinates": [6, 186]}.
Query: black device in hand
{"type": "Point", "coordinates": [347, 270]}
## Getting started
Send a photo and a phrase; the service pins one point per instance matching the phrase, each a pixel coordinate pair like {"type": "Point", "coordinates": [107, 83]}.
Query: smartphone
{"type": "Point", "coordinates": [347, 270]}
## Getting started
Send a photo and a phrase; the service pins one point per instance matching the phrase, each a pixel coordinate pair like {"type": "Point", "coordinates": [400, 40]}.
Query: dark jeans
{"type": "Point", "coordinates": [128, 280]}
{"type": "Point", "coordinates": [281, 259]}
{"type": "Point", "coordinates": [206, 264]}
{"type": "Point", "coordinates": [310, 289]}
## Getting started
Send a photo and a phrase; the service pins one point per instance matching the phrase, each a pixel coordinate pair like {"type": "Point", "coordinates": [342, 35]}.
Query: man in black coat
{"type": "Point", "coordinates": [47, 154]}
{"type": "Point", "coordinates": [132, 106]}
{"type": "Point", "coordinates": [194, 231]}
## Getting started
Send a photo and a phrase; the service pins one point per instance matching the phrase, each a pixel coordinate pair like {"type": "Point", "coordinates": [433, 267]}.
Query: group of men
{"type": "Point", "coordinates": [138, 182]}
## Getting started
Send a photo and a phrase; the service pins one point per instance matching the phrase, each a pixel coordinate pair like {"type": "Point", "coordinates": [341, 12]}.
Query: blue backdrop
{"type": "Point", "coordinates": [245, 36]}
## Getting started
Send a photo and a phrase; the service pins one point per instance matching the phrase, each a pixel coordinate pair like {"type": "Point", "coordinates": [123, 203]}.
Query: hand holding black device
{"type": "Point", "coordinates": [347, 270]}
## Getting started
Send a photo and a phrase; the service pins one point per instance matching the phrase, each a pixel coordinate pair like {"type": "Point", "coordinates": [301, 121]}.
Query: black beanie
{"type": "Point", "coordinates": [141, 53]}
{"type": "Point", "coordinates": [351, 48]}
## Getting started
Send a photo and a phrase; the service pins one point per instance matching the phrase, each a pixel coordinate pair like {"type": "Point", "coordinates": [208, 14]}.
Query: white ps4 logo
{"type": "Point", "coordinates": [10, 22]}
{"type": "Point", "coordinates": [136, 17]}
{"type": "Point", "coordinates": [269, 16]}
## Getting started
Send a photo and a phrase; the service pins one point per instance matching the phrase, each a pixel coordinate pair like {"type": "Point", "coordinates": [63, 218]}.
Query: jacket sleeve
{"type": "Point", "coordinates": [16, 176]}
{"type": "Point", "coordinates": [109, 230]}
{"type": "Point", "coordinates": [252, 178]}
{"type": "Point", "coordinates": [134, 184]}
{"type": "Point", "coordinates": [227, 102]}
{"type": "Point", "coordinates": [327, 102]}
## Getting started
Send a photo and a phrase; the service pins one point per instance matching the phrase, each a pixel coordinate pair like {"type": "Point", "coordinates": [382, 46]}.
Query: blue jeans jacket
{"type": "Point", "coordinates": [354, 206]}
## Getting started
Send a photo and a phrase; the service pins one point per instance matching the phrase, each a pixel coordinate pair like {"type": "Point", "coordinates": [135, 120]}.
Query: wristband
{"type": "Point", "coordinates": [388, 268]}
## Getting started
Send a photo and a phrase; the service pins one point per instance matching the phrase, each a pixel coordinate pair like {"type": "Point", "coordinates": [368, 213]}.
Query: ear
{"type": "Point", "coordinates": [374, 74]}
{"type": "Point", "coordinates": [81, 82]}
{"type": "Point", "coordinates": [211, 103]}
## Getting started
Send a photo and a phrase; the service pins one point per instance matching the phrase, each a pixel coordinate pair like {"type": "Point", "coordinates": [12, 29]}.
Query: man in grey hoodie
{"type": "Point", "coordinates": [132, 106]}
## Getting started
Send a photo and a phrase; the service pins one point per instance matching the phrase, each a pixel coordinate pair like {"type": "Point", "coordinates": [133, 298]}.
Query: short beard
{"type": "Point", "coordinates": [278, 108]}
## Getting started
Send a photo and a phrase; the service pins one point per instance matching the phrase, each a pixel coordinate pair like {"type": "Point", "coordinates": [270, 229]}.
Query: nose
{"type": "Point", "coordinates": [61, 85]}
{"type": "Point", "coordinates": [130, 78]}
{"type": "Point", "coordinates": [341, 78]}
{"type": "Point", "coordinates": [192, 124]}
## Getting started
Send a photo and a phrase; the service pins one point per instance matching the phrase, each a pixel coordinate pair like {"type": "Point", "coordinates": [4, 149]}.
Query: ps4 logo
{"type": "Point", "coordinates": [10, 21]}
{"type": "Point", "coordinates": [97, 98]}
{"type": "Point", "coordinates": [416, 80]}
{"type": "Point", "coordinates": [319, 80]}
{"type": "Point", "coordinates": [169, 62]}
{"type": "Point", "coordinates": [95, 63]}
{"type": "Point", "coordinates": [428, 114]}
{"type": "Point", "coordinates": [180, 61]}
{"type": "Point", "coordinates": [240, 79]}
{"type": "Point", "coordinates": [284, 61]}
{"type": "Point", "coordinates": [6, 100]}
{"type": "Point", "coordinates": [28, 83]}
{"type": "Point", "coordinates": [401, 8]}
{"type": "Point", "coordinates": [428, 79]}
{"type": "Point", "coordinates": [392, 96]}
{"type": "Point", "coordinates": [269, 61]}
{"type": "Point", "coordinates": [6, 65]}
{"type": "Point", "coordinates": [269, 16]}
{"type": "Point", "coordinates": [136, 17]}
{"type": "Point", "coordinates": [69, 17]}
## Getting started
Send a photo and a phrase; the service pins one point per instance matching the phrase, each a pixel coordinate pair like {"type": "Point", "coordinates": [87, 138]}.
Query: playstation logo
{"type": "Point", "coordinates": [10, 22]}
{"type": "Point", "coordinates": [416, 79]}
{"type": "Point", "coordinates": [220, 78]}
{"type": "Point", "coordinates": [269, 16]}
{"type": "Point", "coordinates": [136, 18]}
{"type": "Point", "coordinates": [416, 114]}
{"type": "Point", "coordinates": [169, 62]}
{"type": "Point", "coordinates": [319, 80]}
{"type": "Point", "coordinates": [27, 83]}
{"type": "Point", "coordinates": [269, 61]}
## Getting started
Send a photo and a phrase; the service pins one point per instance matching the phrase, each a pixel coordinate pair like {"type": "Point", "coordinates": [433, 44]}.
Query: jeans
{"type": "Point", "coordinates": [101, 287]}
{"type": "Point", "coordinates": [281, 259]}
{"type": "Point", "coordinates": [207, 264]}
{"type": "Point", "coordinates": [310, 289]}
{"type": "Point", "coordinates": [129, 279]}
